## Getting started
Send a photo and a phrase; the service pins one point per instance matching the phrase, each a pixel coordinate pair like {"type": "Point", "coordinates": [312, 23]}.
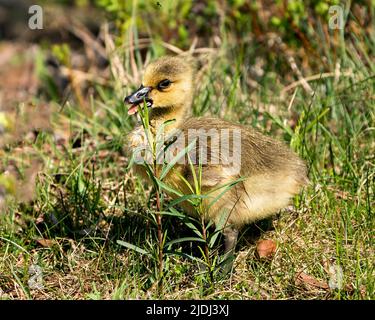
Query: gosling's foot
{"type": "Point", "coordinates": [230, 240]}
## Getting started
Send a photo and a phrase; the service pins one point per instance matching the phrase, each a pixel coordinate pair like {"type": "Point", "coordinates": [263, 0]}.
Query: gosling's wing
{"type": "Point", "coordinates": [233, 146]}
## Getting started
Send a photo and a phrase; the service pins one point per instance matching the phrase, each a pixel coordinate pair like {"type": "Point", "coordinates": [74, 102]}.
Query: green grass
{"type": "Point", "coordinates": [87, 198]}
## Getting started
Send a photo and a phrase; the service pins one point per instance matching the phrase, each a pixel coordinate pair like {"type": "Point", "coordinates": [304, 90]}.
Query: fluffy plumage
{"type": "Point", "coordinates": [272, 172]}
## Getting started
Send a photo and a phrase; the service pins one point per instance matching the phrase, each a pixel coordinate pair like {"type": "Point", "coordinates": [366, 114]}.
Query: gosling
{"type": "Point", "coordinates": [263, 174]}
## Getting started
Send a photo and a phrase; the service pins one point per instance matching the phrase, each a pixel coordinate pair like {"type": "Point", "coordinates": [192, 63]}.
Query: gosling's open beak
{"type": "Point", "coordinates": [136, 98]}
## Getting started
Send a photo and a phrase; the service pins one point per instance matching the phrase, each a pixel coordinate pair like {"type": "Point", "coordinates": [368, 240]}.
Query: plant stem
{"type": "Point", "coordinates": [160, 241]}
{"type": "Point", "coordinates": [206, 248]}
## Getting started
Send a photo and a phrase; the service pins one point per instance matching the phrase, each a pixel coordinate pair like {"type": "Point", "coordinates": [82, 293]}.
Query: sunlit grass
{"type": "Point", "coordinates": [87, 198]}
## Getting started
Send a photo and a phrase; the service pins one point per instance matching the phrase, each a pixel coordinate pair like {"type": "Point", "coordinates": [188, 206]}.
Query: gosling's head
{"type": "Point", "coordinates": [167, 84]}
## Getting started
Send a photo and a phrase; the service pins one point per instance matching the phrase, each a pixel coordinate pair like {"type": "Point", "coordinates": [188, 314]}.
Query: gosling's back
{"type": "Point", "coordinates": [269, 172]}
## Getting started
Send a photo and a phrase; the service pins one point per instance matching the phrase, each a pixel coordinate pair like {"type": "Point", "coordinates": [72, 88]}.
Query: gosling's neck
{"type": "Point", "coordinates": [179, 113]}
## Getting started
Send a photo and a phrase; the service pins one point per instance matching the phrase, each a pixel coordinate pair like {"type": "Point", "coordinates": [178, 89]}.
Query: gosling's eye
{"type": "Point", "coordinates": [164, 84]}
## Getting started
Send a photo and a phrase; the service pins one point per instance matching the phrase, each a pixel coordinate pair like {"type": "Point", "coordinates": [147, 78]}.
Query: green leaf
{"type": "Point", "coordinates": [186, 198]}
{"type": "Point", "coordinates": [227, 187]}
{"type": "Point", "coordinates": [133, 247]}
{"type": "Point", "coordinates": [277, 120]}
{"type": "Point", "coordinates": [173, 214]}
{"type": "Point", "coordinates": [184, 240]}
{"type": "Point", "coordinates": [176, 158]}
{"type": "Point", "coordinates": [194, 229]}
{"type": "Point", "coordinates": [219, 227]}
{"type": "Point", "coordinates": [185, 255]}
{"type": "Point", "coordinates": [167, 188]}
{"type": "Point", "coordinates": [180, 176]}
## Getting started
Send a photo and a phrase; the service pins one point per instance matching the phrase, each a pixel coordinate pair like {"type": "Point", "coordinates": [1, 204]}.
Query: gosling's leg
{"type": "Point", "coordinates": [230, 240]}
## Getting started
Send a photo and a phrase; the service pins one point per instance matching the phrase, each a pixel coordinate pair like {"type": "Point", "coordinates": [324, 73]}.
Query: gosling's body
{"type": "Point", "coordinates": [271, 174]}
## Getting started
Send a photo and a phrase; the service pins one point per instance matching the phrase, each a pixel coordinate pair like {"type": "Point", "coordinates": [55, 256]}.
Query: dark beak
{"type": "Point", "coordinates": [138, 96]}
